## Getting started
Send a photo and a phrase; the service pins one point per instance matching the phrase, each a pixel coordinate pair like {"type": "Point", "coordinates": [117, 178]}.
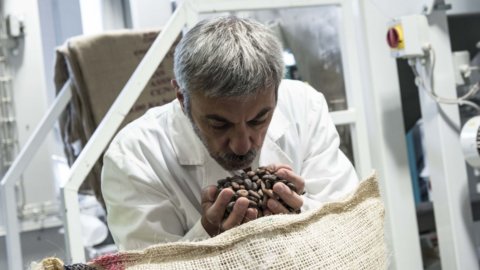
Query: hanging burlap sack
{"type": "Point", "coordinates": [339, 235]}
{"type": "Point", "coordinates": [98, 67]}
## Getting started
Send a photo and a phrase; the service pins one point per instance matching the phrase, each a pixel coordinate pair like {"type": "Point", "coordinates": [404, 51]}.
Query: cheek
{"type": "Point", "coordinates": [216, 143]}
{"type": "Point", "coordinates": [264, 129]}
{"type": "Point", "coordinates": [262, 136]}
{"type": "Point", "coordinates": [259, 136]}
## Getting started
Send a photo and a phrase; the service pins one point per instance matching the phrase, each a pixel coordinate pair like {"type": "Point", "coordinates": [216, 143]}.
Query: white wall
{"type": "Point", "coordinates": [149, 13]}
{"type": "Point", "coordinates": [395, 8]}
{"type": "Point", "coordinates": [101, 15]}
{"type": "Point", "coordinates": [32, 72]}
{"type": "Point", "coordinates": [30, 98]}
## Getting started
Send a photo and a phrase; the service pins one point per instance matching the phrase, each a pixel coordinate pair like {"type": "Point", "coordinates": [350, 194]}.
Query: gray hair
{"type": "Point", "coordinates": [228, 56]}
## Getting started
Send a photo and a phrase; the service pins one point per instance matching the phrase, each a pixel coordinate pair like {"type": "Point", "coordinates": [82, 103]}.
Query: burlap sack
{"type": "Point", "coordinates": [340, 235]}
{"type": "Point", "coordinates": [99, 67]}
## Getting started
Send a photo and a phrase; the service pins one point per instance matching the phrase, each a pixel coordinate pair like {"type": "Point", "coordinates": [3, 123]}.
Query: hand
{"type": "Point", "coordinates": [213, 211]}
{"type": "Point", "coordinates": [289, 197]}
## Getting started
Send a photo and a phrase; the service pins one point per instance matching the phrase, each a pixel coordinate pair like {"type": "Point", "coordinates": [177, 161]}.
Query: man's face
{"type": "Point", "coordinates": [233, 128]}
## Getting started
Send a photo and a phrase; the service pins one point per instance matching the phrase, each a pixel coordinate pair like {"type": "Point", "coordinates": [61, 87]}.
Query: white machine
{"type": "Point", "coordinates": [423, 40]}
{"type": "Point", "coordinates": [470, 139]}
{"type": "Point", "coordinates": [469, 135]}
{"type": "Point", "coordinates": [408, 38]}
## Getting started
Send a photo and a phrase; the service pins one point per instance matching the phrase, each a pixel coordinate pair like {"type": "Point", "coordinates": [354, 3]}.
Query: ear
{"type": "Point", "coordinates": [178, 93]}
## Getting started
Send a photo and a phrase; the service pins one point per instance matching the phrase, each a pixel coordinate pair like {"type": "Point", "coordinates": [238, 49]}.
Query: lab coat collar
{"type": "Point", "coordinates": [191, 151]}
{"type": "Point", "coordinates": [271, 151]}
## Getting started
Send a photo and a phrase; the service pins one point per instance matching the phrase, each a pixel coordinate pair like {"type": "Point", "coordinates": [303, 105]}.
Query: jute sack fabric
{"type": "Point", "coordinates": [99, 67]}
{"type": "Point", "coordinates": [340, 235]}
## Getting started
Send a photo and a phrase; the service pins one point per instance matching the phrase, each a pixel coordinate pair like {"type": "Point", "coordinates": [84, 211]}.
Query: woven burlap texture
{"type": "Point", "coordinates": [339, 235]}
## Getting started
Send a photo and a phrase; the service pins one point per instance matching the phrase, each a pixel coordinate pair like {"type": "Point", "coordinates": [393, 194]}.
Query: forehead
{"type": "Point", "coordinates": [231, 107]}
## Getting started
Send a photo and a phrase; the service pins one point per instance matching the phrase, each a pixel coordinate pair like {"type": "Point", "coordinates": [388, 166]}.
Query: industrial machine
{"type": "Point", "coordinates": [447, 91]}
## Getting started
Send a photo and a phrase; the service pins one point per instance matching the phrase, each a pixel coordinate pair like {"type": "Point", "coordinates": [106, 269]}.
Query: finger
{"type": "Point", "coordinates": [277, 166]}
{"type": "Point", "coordinates": [293, 178]}
{"type": "Point", "coordinates": [251, 214]}
{"type": "Point", "coordinates": [238, 213]}
{"type": "Point", "coordinates": [267, 212]}
{"type": "Point", "coordinates": [290, 197]}
{"type": "Point", "coordinates": [208, 197]}
{"type": "Point", "coordinates": [215, 211]}
{"type": "Point", "coordinates": [276, 208]}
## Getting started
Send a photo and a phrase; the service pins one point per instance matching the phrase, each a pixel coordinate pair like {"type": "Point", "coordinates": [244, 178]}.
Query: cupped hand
{"type": "Point", "coordinates": [290, 197]}
{"type": "Point", "coordinates": [213, 211]}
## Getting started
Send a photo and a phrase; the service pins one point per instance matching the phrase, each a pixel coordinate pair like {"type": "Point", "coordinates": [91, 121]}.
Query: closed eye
{"type": "Point", "coordinates": [257, 122]}
{"type": "Point", "coordinates": [219, 125]}
{"type": "Point", "coordinates": [260, 118]}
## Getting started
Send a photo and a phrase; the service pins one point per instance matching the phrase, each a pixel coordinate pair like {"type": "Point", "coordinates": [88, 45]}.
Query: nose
{"type": "Point", "coordinates": [240, 142]}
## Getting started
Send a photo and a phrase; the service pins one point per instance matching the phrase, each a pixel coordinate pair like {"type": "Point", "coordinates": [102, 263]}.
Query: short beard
{"type": "Point", "coordinates": [228, 161]}
{"type": "Point", "coordinates": [232, 162]}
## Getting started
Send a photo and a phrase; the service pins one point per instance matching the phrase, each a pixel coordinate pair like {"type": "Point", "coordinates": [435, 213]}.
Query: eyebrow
{"type": "Point", "coordinates": [217, 117]}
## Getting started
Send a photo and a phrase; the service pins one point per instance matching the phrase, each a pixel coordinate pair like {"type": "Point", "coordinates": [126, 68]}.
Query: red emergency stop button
{"type": "Point", "coordinates": [395, 37]}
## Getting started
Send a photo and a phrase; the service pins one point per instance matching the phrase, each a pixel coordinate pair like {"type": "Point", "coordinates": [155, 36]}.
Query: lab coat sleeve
{"type": "Point", "coordinates": [197, 232]}
{"type": "Point", "coordinates": [141, 210]}
{"type": "Point", "coordinates": [327, 172]}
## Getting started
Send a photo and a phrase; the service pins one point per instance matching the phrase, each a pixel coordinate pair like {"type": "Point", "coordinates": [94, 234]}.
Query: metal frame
{"type": "Point", "coordinates": [186, 14]}
{"type": "Point", "coordinates": [356, 110]}
{"type": "Point", "coordinates": [7, 185]}
{"type": "Point", "coordinates": [386, 131]}
{"type": "Point", "coordinates": [106, 130]}
{"type": "Point", "coordinates": [447, 168]}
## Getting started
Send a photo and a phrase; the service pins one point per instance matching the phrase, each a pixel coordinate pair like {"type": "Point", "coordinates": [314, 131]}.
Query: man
{"type": "Point", "coordinates": [232, 111]}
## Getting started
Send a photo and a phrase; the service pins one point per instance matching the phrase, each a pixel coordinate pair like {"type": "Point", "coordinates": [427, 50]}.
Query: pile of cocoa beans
{"type": "Point", "coordinates": [256, 186]}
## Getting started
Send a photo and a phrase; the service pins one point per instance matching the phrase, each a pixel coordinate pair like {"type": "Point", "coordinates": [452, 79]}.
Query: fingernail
{"type": "Point", "coordinates": [241, 205]}
{"type": "Point", "coordinates": [226, 196]}
{"type": "Point", "coordinates": [281, 188]}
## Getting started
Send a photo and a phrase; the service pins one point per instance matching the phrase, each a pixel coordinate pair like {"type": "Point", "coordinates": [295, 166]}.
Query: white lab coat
{"type": "Point", "coordinates": [155, 167]}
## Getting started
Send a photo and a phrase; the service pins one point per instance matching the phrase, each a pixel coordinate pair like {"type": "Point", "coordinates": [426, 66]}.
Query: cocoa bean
{"type": "Point", "coordinates": [248, 184]}
{"type": "Point", "coordinates": [254, 194]}
{"type": "Point", "coordinates": [292, 186]}
{"type": "Point", "coordinates": [256, 186]}
{"type": "Point", "coordinates": [269, 193]}
{"type": "Point", "coordinates": [230, 206]}
{"type": "Point", "coordinates": [235, 186]}
{"type": "Point", "coordinates": [242, 193]}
